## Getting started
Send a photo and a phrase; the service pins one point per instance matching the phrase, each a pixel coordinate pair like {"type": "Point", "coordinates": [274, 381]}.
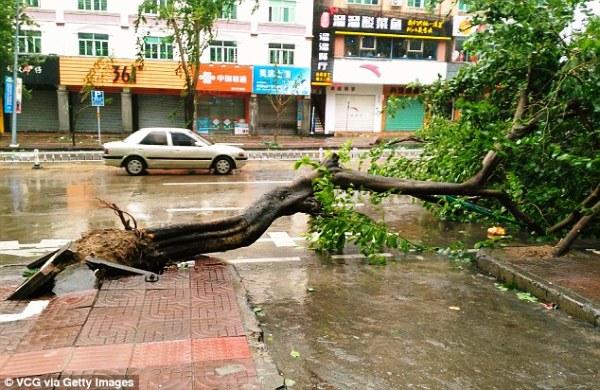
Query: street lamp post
{"type": "Point", "coordinates": [15, 64]}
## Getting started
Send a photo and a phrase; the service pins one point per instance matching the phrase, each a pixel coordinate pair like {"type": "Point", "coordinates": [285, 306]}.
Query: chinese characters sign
{"type": "Point", "coordinates": [322, 59]}
{"type": "Point", "coordinates": [281, 80]}
{"type": "Point", "coordinates": [382, 24]}
{"type": "Point", "coordinates": [226, 78]}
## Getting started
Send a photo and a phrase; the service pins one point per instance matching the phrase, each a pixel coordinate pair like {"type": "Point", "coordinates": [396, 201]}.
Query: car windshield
{"type": "Point", "coordinates": [138, 136]}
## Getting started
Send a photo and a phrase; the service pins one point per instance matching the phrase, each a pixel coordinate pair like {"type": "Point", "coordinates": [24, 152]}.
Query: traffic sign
{"type": "Point", "coordinates": [97, 98]}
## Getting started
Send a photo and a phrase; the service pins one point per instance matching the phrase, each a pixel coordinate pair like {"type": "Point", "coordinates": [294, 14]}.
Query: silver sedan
{"type": "Point", "coordinates": [171, 148]}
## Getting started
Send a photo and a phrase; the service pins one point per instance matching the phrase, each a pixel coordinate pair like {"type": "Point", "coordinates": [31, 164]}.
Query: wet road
{"type": "Point", "coordinates": [419, 322]}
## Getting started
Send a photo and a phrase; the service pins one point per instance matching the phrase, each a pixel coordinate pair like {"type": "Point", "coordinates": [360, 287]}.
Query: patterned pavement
{"type": "Point", "coordinates": [184, 331]}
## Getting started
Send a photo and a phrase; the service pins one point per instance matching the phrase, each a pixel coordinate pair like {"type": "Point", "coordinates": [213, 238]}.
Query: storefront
{"type": "Point", "coordinates": [223, 98]}
{"type": "Point", "coordinates": [376, 57]}
{"type": "Point", "coordinates": [39, 111]}
{"type": "Point", "coordinates": [280, 91]}
{"type": "Point", "coordinates": [135, 96]}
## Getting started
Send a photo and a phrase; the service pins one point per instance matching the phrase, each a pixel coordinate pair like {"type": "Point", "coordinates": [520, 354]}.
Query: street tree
{"type": "Point", "coordinates": [189, 26]}
{"type": "Point", "coordinates": [525, 147]}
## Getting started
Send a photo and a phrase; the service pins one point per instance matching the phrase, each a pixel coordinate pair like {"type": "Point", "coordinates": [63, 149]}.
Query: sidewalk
{"type": "Point", "coordinates": [185, 331]}
{"type": "Point", "coordinates": [89, 141]}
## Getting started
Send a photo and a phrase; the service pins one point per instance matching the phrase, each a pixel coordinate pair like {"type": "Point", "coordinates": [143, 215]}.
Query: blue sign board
{"type": "Point", "coordinates": [97, 98]}
{"type": "Point", "coordinates": [8, 94]}
{"type": "Point", "coordinates": [281, 80]}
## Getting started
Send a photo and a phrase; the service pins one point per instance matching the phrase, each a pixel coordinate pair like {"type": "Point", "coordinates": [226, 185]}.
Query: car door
{"type": "Point", "coordinates": [155, 148]}
{"type": "Point", "coordinates": [188, 154]}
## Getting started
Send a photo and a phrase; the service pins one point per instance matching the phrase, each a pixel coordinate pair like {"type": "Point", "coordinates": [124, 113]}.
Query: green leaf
{"type": "Point", "coordinates": [295, 353]}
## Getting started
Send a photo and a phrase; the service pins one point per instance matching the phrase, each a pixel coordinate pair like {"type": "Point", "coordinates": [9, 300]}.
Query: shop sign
{"type": "Point", "coordinates": [39, 73]}
{"type": "Point", "coordinates": [322, 50]}
{"type": "Point", "coordinates": [281, 80]}
{"type": "Point", "coordinates": [390, 25]}
{"type": "Point", "coordinates": [120, 73]}
{"type": "Point", "coordinates": [226, 78]}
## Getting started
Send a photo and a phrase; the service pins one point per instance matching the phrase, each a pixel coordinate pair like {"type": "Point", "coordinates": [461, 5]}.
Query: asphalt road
{"type": "Point", "coordinates": [329, 322]}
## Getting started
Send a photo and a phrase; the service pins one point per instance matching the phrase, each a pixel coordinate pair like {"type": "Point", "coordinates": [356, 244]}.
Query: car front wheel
{"type": "Point", "coordinates": [223, 166]}
{"type": "Point", "coordinates": [135, 166]}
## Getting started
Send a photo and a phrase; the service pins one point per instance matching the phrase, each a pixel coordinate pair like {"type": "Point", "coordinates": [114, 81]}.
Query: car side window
{"type": "Point", "coordinates": [156, 138]}
{"type": "Point", "coordinates": [180, 139]}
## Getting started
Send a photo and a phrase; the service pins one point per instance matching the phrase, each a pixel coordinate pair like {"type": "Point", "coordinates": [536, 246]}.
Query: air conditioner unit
{"type": "Point", "coordinates": [396, 3]}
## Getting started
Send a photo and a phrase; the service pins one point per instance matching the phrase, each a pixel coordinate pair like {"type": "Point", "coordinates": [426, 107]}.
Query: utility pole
{"type": "Point", "coordinates": [14, 143]}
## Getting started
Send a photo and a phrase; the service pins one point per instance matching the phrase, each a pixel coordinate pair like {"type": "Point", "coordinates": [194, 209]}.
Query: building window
{"type": "Point", "coordinates": [463, 6]}
{"type": "Point", "coordinates": [281, 54]}
{"type": "Point", "coordinates": [365, 2]}
{"type": "Point", "coordinates": [92, 5]}
{"type": "Point", "coordinates": [229, 11]}
{"type": "Point", "coordinates": [223, 51]}
{"type": "Point", "coordinates": [281, 11]}
{"type": "Point", "coordinates": [30, 42]}
{"type": "Point", "coordinates": [93, 44]}
{"type": "Point", "coordinates": [417, 3]}
{"type": "Point", "coordinates": [158, 48]}
{"type": "Point", "coordinates": [154, 6]}
{"type": "Point", "coordinates": [395, 48]}
{"type": "Point", "coordinates": [32, 3]}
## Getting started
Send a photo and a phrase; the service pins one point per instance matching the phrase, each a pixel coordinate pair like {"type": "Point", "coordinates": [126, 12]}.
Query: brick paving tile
{"type": "Point", "coordinates": [226, 374]}
{"type": "Point", "coordinates": [163, 330]}
{"type": "Point", "coordinates": [11, 334]}
{"type": "Point", "coordinates": [221, 348]}
{"type": "Point", "coordinates": [171, 280]}
{"type": "Point", "coordinates": [75, 300]}
{"type": "Point", "coordinates": [136, 282]}
{"type": "Point", "coordinates": [3, 360]}
{"type": "Point", "coordinates": [62, 315]}
{"type": "Point", "coordinates": [215, 306]}
{"type": "Point", "coordinates": [36, 362]}
{"type": "Point", "coordinates": [164, 378]}
{"type": "Point", "coordinates": [166, 304]}
{"type": "Point", "coordinates": [100, 357]}
{"type": "Point", "coordinates": [120, 297]}
{"type": "Point", "coordinates": [170, 353]}
{"type": "Point", "coordinates": [215, 273]}
{"type": "Point", "coordinates": [7, 288]}
{"type": "Point", "coordinates": [43, 338]}
{"type": "Point", "coordinates": [110, 325]}
{"type": "Point", "coordinates": [202, 289]}
{"type": "Point", "coordinates": [99, 379]}
{"type": "Point", "coordinates": [204, 328]}
{"type": "Point", "coordinates": [12, 307]}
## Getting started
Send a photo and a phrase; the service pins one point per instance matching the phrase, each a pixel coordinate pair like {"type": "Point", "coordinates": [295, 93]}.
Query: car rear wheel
{"type": "Point", "coordinates": [135, 166]}
{"type": "Point", "coordinates": [223, 165]}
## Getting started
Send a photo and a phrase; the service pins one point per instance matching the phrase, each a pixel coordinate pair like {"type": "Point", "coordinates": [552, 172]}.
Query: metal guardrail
{"type": "Point", "coordinates": [37, 157]}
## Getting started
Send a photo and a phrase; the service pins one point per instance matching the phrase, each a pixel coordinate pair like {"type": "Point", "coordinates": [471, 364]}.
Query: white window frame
{"type": "Point", "coordinates": [155, 50]}
{"type": "Point", "coordinates": [30, 42]}
{"type": "Point", "coordinates": [157, 3]}
{"type": "Point", "coordinates": [97, 43]}
{"type": "Point", "coordinates": [223, 52]}
{"type": "Point", "coordinates": [363, 2]}
{"type": "Point", "coordinates": [92, 5]}
{"type": "Point", "coordinates": [283, 53]}
{"type": "Point", "coordinates": [32, 3]}
{"type": "Point", "coordinates": [282, 11]}
{"type": "Point", "coordinates": [463, 6]}
{"type": "Point", "coordinates": [416, 3]}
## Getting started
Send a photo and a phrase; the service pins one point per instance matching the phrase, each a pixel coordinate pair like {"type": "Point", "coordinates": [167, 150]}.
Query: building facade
{"type": "Point", "coordinates": [366, 51]}
{"type": "Point", "coordinates": [251, 50]}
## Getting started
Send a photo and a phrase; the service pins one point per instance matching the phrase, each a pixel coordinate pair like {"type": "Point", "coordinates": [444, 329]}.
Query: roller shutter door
{"type": "Point", "coordinates": [110, 115]}
{"type": "Point", "coordinates": [160, 111]}
{"type": "Point", "coordinates": [267, 118]}
{"type": "Point", "coordinates": [409, 118]}
{"type": "Point", "coordinates": [218, 114]}
{"type": "Point", "coordinates": [354, 112]}
{"type": "Point", "coordinates": [40, 113]}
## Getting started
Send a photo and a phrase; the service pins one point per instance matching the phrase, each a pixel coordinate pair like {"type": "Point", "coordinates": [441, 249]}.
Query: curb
{"type": "Point", "coordinates": [568, 301]}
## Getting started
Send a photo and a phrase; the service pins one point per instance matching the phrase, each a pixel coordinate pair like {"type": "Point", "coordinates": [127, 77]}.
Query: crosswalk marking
{"type": "Point", "coordinates": [229, 183]}
{"type": "Point", "coordinates": [32, 308]}
{"type": "Point", "coordinates": [281, 239]}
